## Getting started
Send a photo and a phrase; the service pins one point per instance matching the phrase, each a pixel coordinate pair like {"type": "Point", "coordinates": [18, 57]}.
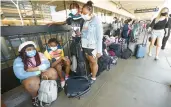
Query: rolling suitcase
{"type": "Point", "coordinates": [140, 49]}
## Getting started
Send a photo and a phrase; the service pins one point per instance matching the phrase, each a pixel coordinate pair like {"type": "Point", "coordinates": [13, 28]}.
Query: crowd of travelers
{"type": "Point", "coordinates": [88, 44]}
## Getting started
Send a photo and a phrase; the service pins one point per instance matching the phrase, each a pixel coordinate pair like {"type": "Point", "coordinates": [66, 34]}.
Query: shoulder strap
{"type": "Point", "coordinates": [47, 48]}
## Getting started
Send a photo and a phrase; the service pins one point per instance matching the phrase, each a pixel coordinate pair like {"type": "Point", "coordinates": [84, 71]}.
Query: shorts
{"type": "Point", "coordinates": [158, 34]}
{"type": "Point", "coordinates": [88, 51]}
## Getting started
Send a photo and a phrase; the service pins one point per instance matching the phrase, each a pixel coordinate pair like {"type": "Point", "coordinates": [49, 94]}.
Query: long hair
{"type": "Point", "coordinates": [159, 14]}
{"type": "Point", "coordinates": [26, 60]}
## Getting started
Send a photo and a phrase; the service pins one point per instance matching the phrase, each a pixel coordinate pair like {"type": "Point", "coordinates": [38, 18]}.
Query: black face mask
{"type": "Point", "coordinates": [164, 14]}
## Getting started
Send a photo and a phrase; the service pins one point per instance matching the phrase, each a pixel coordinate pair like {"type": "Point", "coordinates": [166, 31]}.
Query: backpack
{"type": "Point", "coordinates": [104, 63]}
{"type": "Point", "coordinates": [117, 48]}
{"type": "Point", "coordinates": [79, 65]}
{"type": "Point", "coordinates": [127, 53]}
{"type": "Point", "coordinates": [78, 85]}
{"type": "Point", "coordinates": [47, 92]}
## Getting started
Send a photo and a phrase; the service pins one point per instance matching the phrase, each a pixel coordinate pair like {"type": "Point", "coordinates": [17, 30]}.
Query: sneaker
{"type": "Point", "coordinates": [35, 102]}
{"type": "Point", "coordinates": [149, 54]}
{"type": "Point", "coordinates": [92, 81]}
{"type": "Point", "coordinates": [66, 77]}
{"type": "Point", "coordinates": [156, 58]}
{"type": "Point", "coordinates": [162, 48]}
{"type": "Point", "coordinates": [62, 84]}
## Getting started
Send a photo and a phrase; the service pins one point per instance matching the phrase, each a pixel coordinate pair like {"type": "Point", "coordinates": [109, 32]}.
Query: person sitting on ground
{"type": "Point", "coordinates": [54, 52]}
{"type": "Point", "coordinates": [29, 66]}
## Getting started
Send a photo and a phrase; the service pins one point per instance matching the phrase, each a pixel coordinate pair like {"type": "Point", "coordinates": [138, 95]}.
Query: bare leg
{"type": "Point", "coordinates": [158, 47]}
{"type": "Point", "coordinates": [59, 70]}
{"type": "Point", "coordinates": [151, 45]}
{"type": "Point", "coordinates": [93, 66]}
{"type": "Point", "coordinates": [31, 85]}
{"type": "Point", "coordinates": [68, 66]}
{"type": "Point", "coordinates": [51, 73]}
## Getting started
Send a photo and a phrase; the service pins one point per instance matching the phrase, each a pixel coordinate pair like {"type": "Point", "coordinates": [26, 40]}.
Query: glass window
{"type": "Point", "coordinates": [32, 12]}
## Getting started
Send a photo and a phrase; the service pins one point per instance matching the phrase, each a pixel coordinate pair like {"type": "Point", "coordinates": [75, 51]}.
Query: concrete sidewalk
{"type": "Point", "coordinates": [132, 83]}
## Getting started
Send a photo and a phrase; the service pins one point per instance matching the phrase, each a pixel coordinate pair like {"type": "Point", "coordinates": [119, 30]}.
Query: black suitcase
{"type": "Point", "coordinates": [77, 86]}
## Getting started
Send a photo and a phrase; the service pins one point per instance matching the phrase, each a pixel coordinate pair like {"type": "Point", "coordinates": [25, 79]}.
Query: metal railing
{"type": "Point", "coordinates": [12, 37]}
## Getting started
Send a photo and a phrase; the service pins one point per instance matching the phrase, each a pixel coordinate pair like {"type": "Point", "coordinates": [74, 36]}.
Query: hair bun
{"type": "Point", "coordinates": [90, 3]}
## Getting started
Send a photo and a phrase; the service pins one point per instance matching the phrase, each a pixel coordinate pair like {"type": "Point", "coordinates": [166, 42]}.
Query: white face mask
{"type": "Point", "coordinates": [53, 48]}
{"type": "Point", "coordinates": [74, 11]}
{"type": "Point", "coordinates": [86, 17]}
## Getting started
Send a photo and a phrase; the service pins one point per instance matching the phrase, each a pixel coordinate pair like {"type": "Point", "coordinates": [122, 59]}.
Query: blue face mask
{"type": "Point", "coordinates": [31, 53]}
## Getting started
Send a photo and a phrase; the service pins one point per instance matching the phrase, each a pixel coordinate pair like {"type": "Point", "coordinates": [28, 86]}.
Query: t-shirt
{"type": "Point", "coordinates": [54, 54]}
{"type": "Point", "coordinates": [76, 24]}
{"type": "Point", "coordinates": [159, 25]}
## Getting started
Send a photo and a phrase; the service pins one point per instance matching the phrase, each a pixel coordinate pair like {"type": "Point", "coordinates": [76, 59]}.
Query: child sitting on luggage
{"type": "Point", "coordinates": [54, 52]}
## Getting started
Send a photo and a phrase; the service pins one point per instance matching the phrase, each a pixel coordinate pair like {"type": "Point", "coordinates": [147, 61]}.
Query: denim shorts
{"type": "Point", "coordinates": [88, 51]}
{"type": "Point", "coordinates": [159, 34]}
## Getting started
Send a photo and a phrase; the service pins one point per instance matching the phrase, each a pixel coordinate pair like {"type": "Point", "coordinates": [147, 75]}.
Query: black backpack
{"type": "Point", "coordinates": [104, 63]}
{"type": "Point", "coordinates": [79, 84]}
{"type": "Point", "coordinates": [76, 50]}
{"type": "Point", "coordinates": [127, 53]}
{"type": "Point", "coordinates": [117, 48]}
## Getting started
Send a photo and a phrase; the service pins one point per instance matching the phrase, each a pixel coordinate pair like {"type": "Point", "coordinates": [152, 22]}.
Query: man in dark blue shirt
{"type": "Point", "coordinates": [167, 34]}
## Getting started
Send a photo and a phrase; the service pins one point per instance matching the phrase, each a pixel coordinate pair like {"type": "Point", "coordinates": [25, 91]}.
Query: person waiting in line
{"type": "Point", "coordinates": [55, 54]}
{"type": "Point", "coordinates": [29, 66]}
{"type": "Point", "coordinates": [92, 34]}
{"type": "Point", "coordinates": [118, 28]}
{"type": "Point", "coordinates": [134, 31]}
{"type": "Point", "coordinates": [114, 27]}
{"type": "Point", "coordinates": [74, 19]}
{"type": "Point", "coordinates": [167, 33]}
{"type": "Point", "coordinates": [125, 31]}
{"type": "Point", "coordinates": [157, 28]}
